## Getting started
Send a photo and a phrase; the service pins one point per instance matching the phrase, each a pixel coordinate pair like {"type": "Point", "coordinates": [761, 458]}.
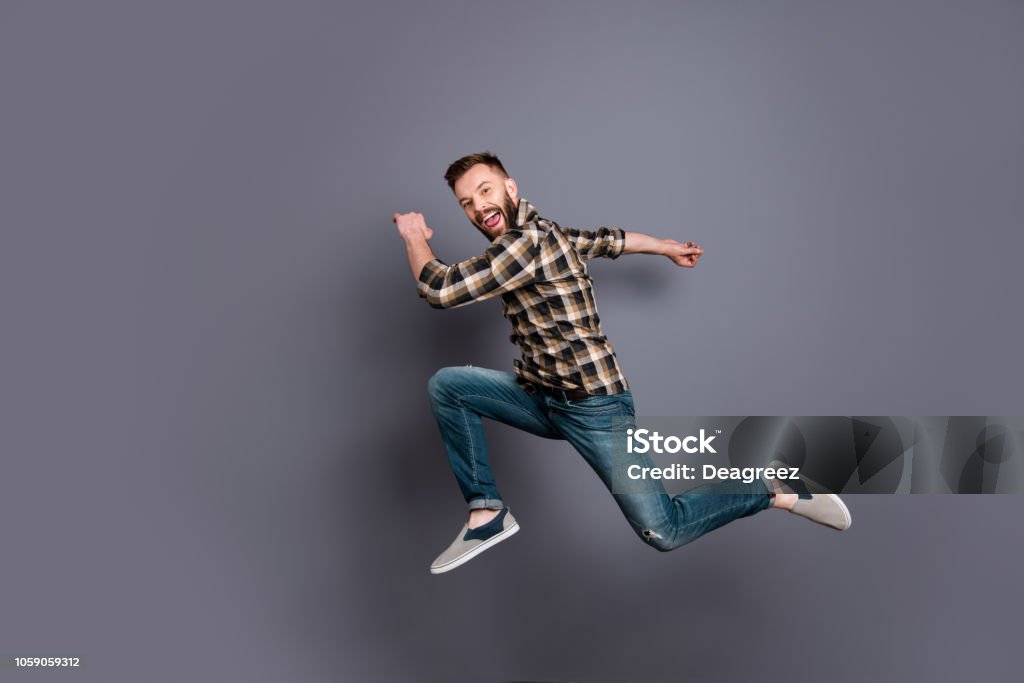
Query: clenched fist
{"type": "Point", "coordinates": [682, 254]}
{"type": "Point", "coordinates": [411, 225]}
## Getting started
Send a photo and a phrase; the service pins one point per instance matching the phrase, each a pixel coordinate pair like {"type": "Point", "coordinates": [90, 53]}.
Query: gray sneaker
{"type": "Point", "coordinates": [820, 507]}
{"type": "Point", "coordinates": [471, 542]}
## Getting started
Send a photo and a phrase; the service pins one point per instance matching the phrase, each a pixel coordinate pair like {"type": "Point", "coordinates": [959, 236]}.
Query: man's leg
{"type": "Point", "coordinates": [596, 428]}
{"type": "Point", "coordinates": [460, 398]}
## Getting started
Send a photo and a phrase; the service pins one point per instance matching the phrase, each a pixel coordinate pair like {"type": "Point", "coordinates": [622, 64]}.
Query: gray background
{"type": "Point", "coordinates": [218, 457]}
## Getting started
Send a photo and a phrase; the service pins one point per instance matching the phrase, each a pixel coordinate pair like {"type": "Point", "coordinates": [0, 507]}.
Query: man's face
{"type": "Point", "coordinates": [488, 198]}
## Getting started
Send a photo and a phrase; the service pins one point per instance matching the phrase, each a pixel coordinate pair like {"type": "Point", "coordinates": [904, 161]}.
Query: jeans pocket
{"type": "Point", "coordinates": [597, 413]}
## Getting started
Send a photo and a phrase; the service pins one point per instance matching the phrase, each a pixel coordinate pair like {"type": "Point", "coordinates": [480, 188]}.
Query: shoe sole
{"type": "Point", "coordinates": [846, 510]}
{"type": "Point", "coordinates": [470, 554]}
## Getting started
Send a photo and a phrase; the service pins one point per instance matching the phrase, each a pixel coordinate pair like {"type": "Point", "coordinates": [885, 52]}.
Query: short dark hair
{"type": "Point", "coordinates": [459, 167]}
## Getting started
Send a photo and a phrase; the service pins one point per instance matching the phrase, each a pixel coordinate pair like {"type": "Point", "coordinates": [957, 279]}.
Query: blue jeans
{"type": "Point", "coordinates": [462, 396]}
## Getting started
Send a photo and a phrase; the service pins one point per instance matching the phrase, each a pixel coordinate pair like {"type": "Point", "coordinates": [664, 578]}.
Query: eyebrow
{"type": "Point", "coordinates": [482, 183]}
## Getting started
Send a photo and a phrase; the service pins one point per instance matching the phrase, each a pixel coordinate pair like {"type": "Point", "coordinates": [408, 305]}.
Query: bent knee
{"type": "Point", "coordinates": [445, 380]}
{"type": "Point", "coordinates": [657, 539]}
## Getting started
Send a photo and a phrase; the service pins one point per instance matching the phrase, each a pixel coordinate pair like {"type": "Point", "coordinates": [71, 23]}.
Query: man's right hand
{"type": "Point", "coordinates": [411, 225]}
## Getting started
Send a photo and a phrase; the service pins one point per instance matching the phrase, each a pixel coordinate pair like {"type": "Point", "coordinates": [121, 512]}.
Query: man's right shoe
{"type": "Point", "coordinates": [822, 508]}
{"type": "Point", "coordinates": [471, 542]}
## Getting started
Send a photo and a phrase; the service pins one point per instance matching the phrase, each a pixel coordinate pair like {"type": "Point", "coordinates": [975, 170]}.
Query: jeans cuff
{"type": "Point", "coordinates": [768, 486]}
{"type": "Point", "coordinates": [488, 503]}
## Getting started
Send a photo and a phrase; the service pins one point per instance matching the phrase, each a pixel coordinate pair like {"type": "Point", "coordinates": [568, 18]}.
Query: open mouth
{"type": "Point", "coordinates": [492, 219]}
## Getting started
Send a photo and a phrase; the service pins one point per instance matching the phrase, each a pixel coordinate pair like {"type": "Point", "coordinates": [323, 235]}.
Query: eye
{"type": "Point", "coordinates": [486, 190]}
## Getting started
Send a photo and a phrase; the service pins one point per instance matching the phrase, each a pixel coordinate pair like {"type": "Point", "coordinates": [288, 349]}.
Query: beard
{"type": "Point", "coordinates": [507, 208]}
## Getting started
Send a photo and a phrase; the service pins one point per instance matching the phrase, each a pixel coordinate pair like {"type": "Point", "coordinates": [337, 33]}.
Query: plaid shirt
{"type": "Point", "coordinates": [539, 270]}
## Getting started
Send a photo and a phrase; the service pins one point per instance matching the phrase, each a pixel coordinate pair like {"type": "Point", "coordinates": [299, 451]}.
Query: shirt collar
{"type": "Point", "coordinates": [526, 214]}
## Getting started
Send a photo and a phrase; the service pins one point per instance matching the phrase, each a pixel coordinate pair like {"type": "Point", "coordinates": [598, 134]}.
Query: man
{"type": "Point", "coordinates": [568, 383]}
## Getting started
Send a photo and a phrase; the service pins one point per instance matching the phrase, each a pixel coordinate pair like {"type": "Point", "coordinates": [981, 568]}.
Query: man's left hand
{"type": "Point", "coordinates": [685, 254]}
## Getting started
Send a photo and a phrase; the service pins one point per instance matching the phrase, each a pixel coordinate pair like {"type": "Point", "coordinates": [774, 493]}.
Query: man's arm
{"type": "Point", "coordinates": [508, 263]}
{"type": "Point", "coordinates": [685, 254]}
{"type": "Point", "coordinates": [613, 242]}
{"type": "Point", "coordinates": [413, 229]}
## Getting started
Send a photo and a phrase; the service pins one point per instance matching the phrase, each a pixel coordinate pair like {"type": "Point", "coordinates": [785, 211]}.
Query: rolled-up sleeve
{"type": "Point", "coordinates": [603, 242]}
{"type": "Point", "coordinates": [509, 263]}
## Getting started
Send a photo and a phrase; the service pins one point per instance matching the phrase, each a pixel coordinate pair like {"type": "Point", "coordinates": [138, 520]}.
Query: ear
{"type": "Point", "coordinates": [512, 189]}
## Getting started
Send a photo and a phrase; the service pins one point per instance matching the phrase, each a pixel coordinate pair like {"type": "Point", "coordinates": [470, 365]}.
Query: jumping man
{"type": "Point", "coordinates": [568, 383]}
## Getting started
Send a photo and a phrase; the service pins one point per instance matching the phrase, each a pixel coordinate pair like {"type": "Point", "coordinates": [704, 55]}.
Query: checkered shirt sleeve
{"type": "Point", "coordinates": [603, 242]}
{"type": "Point", "coordinates": [509, 263]}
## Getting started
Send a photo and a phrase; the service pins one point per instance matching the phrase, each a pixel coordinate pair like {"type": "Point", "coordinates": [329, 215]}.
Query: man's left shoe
{"type": "Point", "coordinates": [471, 542]}
{"type": "Point", "coordinates": [822, 508]}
